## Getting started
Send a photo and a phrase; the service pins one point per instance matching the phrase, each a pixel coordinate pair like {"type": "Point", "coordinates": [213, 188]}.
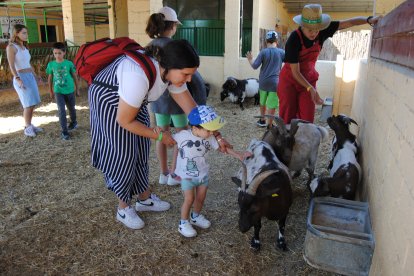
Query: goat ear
{"type": "Point", "coordinates": [352, 121]}
{"type": "Point", "coordinates": [236, 181]}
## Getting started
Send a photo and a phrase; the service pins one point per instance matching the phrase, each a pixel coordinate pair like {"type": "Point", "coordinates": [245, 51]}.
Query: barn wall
{"type": "Point", "coordinates": [383, 106]}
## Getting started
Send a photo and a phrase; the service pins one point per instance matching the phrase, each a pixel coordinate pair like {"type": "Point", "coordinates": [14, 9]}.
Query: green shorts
{"type": "Point", "coordinates": [269, 99]}
{"type": "Point", "coordinates": [163, 120]}
{"type": "Point", "coordinates": [188, 184]}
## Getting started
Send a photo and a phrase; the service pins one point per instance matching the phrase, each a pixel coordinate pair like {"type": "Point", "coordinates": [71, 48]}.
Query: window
{"type": "Point", "coordinates": [203, 24]}
{"type": "Point", "coordinates": [51, 33]}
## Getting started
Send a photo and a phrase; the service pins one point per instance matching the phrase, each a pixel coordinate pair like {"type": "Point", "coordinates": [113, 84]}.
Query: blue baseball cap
{"type": "Point", "coordinates": [206, 117]}
{"type": "Point", "coordinates": [271, 35]}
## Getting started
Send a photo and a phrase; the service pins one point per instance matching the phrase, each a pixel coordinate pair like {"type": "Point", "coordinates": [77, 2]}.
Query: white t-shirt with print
{"type": "Point", "coordinates": [192, 150]}
{"type": "Point", "coordinates": [134, 84]}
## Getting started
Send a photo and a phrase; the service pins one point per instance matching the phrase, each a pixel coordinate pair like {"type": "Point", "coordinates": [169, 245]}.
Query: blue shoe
{"type": "Point", "coordinates": [65, 136]}
{"type": "Point", "coordinates": [72, 126]}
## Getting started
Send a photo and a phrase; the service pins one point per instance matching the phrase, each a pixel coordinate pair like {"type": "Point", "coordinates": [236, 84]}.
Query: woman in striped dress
{"type": "Point", "coordinates": [120, 124]}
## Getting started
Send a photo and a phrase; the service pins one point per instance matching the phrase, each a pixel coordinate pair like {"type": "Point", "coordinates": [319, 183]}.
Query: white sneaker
{"type": "Point", "coordinates": [163, 179]}
{"type": "Point", "coordinates": [153, 203]}
{"type": "Point", "coordinates": [29, 131]}
{"type": "Point", "coordinates": [200, 221]}
{"type": "Point", "coordinates": [187, 230]}
{"type": "Point", "coordinates": [37, 129]}
{"type": "Point", "coordinates": [129, 217]}
{"type": "Point", "coordinates": [173, 181]}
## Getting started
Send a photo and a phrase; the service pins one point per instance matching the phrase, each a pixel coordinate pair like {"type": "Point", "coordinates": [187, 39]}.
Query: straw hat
{"type": "Point", "coordinates": [313, 18]}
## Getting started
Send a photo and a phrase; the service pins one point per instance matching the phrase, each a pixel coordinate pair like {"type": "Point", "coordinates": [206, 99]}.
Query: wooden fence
{"type": "Point", "coordinates": [393, 39]}
{"type": "Point", "coordinates": [352, 45]}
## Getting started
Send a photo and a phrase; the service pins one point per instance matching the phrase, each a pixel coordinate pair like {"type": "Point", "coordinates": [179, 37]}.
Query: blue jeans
{"type": "Point", "coordinates": [63, 100]}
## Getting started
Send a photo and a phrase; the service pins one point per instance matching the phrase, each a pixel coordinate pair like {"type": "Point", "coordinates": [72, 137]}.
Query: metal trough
{"type": "Point", "coordinates": [326, 109]}
{"type": "Point", "coordinates": [339, 236]}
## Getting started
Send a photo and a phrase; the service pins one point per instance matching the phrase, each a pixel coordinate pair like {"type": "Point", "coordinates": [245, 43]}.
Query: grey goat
{"type": "Point", "coordinates": [297, 147]}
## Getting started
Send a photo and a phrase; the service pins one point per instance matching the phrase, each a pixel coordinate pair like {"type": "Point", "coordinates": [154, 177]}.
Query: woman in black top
{"type": "Point", "coordinates": [297, 85]}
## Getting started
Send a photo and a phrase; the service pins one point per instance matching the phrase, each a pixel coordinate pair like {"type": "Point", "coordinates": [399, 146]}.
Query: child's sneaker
{"type": "Point", "coordinates": [129, 218]}
{"type": "Point", "coordinates": [187, 230]}
{"type": "Point", "coordinates": [200, 221]}
{"type": "Point", "coordinates": [72, 126]}
{"type": "Point", "coordinates": [65, 136]}
{"type": "Point", "coordinates": [153, 203]}
{"type": "Point", "coordinates": [37, 129]}
{"type": "Point", "coordinates": [29, 131]}
{"type": "Point", "coordinates": [261, 123]}
{"type": "Point", "coordinates": [172, 181]}
{"type": "Point", "coordinates": [163, 179]}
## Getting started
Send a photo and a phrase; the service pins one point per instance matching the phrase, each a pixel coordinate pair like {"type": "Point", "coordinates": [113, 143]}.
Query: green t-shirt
{"type": "Point", "coordinates": [63, 82]}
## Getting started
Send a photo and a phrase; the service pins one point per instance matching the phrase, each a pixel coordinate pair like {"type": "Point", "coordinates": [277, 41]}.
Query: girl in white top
{"type": "Point", "coordinates": [24, 80]}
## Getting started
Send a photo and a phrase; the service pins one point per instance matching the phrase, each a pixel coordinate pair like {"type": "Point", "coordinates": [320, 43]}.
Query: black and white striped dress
{"type": "Point", "coordinates": [121, 155]}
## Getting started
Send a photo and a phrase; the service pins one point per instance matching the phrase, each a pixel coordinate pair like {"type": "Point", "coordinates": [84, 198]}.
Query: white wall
{"type": "Point", "coordinates": [383, 106]}
{"type": "Point", "coordinates": [326, 82]}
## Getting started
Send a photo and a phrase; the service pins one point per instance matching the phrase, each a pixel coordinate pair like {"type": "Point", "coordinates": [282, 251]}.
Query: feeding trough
{"type": "Point", "coordinates": [339, 236]}
{"type": "Point", "coordinates": [326, 109]}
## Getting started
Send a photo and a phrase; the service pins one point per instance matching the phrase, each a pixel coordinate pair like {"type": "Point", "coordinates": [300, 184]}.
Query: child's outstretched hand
{"type": "Point", "coordinates": [244, 155]}
{"type": "Point", "coordinates": [239, 155]}
{"type": "Point", "coordinates": [249, 55]}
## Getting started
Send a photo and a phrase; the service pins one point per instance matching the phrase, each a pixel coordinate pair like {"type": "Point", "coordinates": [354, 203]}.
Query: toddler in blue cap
{"type": "Point", "coordinates": [193, 145]}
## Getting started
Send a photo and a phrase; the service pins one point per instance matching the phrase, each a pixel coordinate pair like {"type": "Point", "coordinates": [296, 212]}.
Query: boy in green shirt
{"type": "Point", "coordinates": [62, 85]}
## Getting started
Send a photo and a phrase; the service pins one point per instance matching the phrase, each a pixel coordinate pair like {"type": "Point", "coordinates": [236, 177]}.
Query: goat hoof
{"type": "Point", "coordinates": [255, 244]}
{"type": "Point", "coordinates": [281, 243]}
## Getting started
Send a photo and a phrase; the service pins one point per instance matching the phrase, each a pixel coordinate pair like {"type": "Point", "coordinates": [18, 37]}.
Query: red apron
{"type": "Point", "coordinates": [294, 100]}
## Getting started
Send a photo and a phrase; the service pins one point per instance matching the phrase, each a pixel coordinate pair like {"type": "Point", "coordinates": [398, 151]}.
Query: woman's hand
{"type": "Point", "coordinates": [315, 96]}
{"type": "Point", "coordinates": [167, 139]}
{"type": "Point", "coordinates": [374, 20]}
{"type": "Point", "coordinates": [20, 83]}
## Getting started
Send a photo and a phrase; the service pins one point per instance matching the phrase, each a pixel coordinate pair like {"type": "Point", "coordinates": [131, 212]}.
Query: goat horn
{"type": "Point", "coordinates": [280, 124]}
{"type": "Point", "coordinates": [244, 177]}
{"type": "Point", "coordinates": [257, 180]}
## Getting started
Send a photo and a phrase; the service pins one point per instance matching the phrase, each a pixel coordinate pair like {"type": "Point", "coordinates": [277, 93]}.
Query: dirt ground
{"type": "Point", "coordinates": [57, 217]}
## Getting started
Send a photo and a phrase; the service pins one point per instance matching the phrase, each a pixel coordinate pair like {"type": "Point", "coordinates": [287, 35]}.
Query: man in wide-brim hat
{"type": "Point", "coordinates": [297, 83]}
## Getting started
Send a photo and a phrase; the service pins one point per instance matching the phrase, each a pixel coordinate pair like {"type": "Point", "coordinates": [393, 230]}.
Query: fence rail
{"type": "Point", "coordinates": [40, 57]}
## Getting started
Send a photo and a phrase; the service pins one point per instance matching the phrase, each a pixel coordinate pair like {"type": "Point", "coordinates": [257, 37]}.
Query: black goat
{"type": "Point", "coordinates": [238, 90]}
{"type": "Point", "coordinates": [269, 193]}
{"type": "Point", "coordinates": [345, 172]}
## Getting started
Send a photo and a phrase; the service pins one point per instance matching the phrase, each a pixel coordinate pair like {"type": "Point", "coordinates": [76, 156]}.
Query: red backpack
{"type": "Point", "coordinates": [94, 56]}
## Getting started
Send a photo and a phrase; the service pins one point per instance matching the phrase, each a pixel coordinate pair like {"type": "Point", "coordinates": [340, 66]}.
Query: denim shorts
{"type": "Point", "coordinates": [188, 184]}
{"type": "Point", "coordinates": [29, 95]}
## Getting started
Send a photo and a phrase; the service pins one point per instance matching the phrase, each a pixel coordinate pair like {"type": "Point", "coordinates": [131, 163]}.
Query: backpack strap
{"type": "Point", "coordinates": [146, 64]}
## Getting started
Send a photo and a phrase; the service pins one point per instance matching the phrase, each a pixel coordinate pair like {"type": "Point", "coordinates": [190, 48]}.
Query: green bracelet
{"type": "Point", "coordinates": [159, 136]}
